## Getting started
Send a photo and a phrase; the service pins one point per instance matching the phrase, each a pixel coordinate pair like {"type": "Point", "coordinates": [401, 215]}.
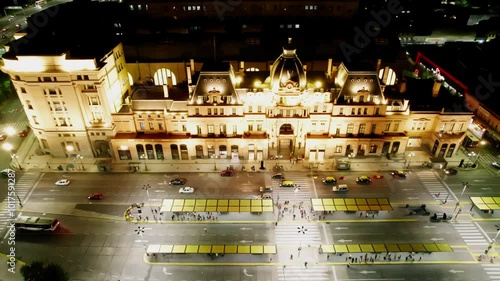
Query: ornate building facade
{"type": "Point", "coordinates": [86, 107]}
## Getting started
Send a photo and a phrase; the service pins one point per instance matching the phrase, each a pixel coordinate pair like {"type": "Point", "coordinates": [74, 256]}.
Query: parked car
{"type": "Point", "coordinates": [63, 182]}
{"type": "Point", "coordinates": [177, 182]}
{"type": "Point", "coordinates": [278, 176]}
{"type": "Point", "coordinates": [363, 179]}
{"type": "Point", "coordinates": [451, 171]}
{"type": "Point", "coordinates": [22, 133]}
{"type": "Point", "coordinates": [330, 180]}
{"type": "Point", "coordinates": [95, 196]}
{"type": "Point", "coordinates": [227, 173]}
{"type": "Point", "coordinates": [5, 172]}
{"type": "Point", "coordinates": [186, 189]}
{"type": "Point", "coordinates": [437, 217]}
{"type": "Point", "coordinates": [340, 188]}
{"type": "Point", "coordinates": [398, 174]}
{"type": "Point", "coordinates": [265, 189]}
{"type": "Point", "coordinates": [496, 165]}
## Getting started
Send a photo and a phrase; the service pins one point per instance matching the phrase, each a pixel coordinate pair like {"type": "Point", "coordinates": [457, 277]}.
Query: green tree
{"type": "Point", "coordinates": [38, 271]}
{"type": "Point", "coordinates": [5, 87]}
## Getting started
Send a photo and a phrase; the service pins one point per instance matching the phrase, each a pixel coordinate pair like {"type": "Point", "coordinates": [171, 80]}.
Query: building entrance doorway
{"type": "Point", "coordinates": [285, 148]}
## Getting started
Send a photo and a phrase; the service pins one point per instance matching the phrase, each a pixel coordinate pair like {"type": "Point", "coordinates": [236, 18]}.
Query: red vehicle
{"type": "Point", "coordinates": [96, 196]}
{"type": "Point", "coordinates": [22, 133]}
{"type": "Point", "coordinates": [227, 173]}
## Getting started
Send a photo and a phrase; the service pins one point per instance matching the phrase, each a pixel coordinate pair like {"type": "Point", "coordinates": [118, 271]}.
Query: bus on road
{"type": "Point", "coordinates": [36, 223]}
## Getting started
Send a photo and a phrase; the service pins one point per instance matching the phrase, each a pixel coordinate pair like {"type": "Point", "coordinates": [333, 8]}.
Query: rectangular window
{"type": "Point", "coordinates": [338, 149]}
{"type": "Point", "coordinates": [359, 111]}
{"type": "Point", "coordinates": [259, 127]}
{"type": "Point", "coordinates": [222, 128]}
{"type": "Point", "coordinates": [361, 130]}
{"type": "Point", "coordinates": [315, 108]}
{"type": "Point", "coordinates": [250, 127]}
{"type": "Point", "coordinates": [350, 128]}
{"type": "Point", "coordinates": [322, 126]}
{"type": "Point", "coordinates": [52, 92]}
{"type": "Point", "coordinates": [93, 100]}
{"type": "Point", "coordinates": [259, 108]}
{"type": "Point", "coordinates": [365, 111]}
{"type": "Point", "coordinates": [58, 106]}
{"type": "Point", "coordinates": [28, 104]}
{"type": "Point", "coordinates": [341, 111]}
{"type": "Point", "coordinates": [460, 127]}
{"type": "Point", "coordinates": [210, 129]}
{"type": "Point", "coordinates": [377, 111]}
{"type": "Point", "coordinates": [151, 125]}
{"type": "Point", "coordinates": [215, 111]}
{"type": "Point", "coordinates": [196, 111]}
{"type": "Point", "coordinates": [175, 127]}
{"type": "Point", "coordinates": [235, 129]}
{"type": "Point", "coordinates": [250, 109]}
{"type": "Point", "coordinates": [374, 128]}
{"type": "Point", "coordinates": [35, 120]}
{"type": "Point", "coordinates": [413, 126]}
{"type": "Point", "coordinates": [209, 111]}
{"type": "Point", "coordinates": [160, 126]}
{"type": "Point", "coordinates": [221, 111]}
{"type": "Point", "coordinates": [387, 126]}
{"type": "Point", "coordinates": [198, 129]}
{"type": "Point", "coordinates": [23, 90]}
{"type": "Point", "coordinates": [142, 126]}
{"type": "Point", "coordinates": [396, 127]}
{"type": "Point", "coordinates": [234, 110]}
{"type": "Point", "coordinates": [424, 125]}
{"type": "Point", "coordinates": [353, 111]}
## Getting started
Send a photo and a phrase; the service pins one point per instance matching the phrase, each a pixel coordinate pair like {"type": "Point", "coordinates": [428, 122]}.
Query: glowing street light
{"type": "Point", "coordinates": [10, 131]}
{"type": "Point", "coordinates": [81, 161]}
{"type": "Point", "coordinates": [9, 148]}
{"type": "Point", "coordinates": [410, 156]}
{"type": "Point", "coordinates": [143, 157]}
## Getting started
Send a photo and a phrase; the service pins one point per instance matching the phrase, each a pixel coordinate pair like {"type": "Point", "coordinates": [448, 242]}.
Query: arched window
{"type": "Point", "coordinates": [199, 151]}
{"type": "Point", "coordinates": [234, 149]}
{"type": "Point", "coordinates": [175, 151]}
{"type": "Point", "coordinates": [149, 151]}
{"type": "Point", "coordinates": [159, 151]}
{"type": "Point", "coordinates": [184, 152]}
{"type": "Point", "coordinates": [140, 150]}
{"type": "Point", "coordinates": [162, 75]}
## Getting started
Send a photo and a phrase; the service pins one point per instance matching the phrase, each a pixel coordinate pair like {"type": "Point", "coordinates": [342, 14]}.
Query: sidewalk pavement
{"type": "Point", "coordinates": [31, 161]}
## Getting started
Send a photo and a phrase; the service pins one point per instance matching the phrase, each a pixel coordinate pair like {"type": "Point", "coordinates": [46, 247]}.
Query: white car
{"type": "Point", "coordinates": [62, 182]}
{"type": "Point", "coordinates": [186, 189]}
{"type": "Point", "coordinates": [496, 165]}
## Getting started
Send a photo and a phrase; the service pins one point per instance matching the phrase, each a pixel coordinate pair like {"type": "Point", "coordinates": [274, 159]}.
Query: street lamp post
{"type": "Point", "coordinates": [481, 144]}
{"type": "Point", "coordinates": [140, 232]}
{"type": "Point", "coordinates": [81, 161]}
{"type": "Point", "coordinates": [284, 276]}
{"type": "Point", "coordinates": [143, 157]}
{"type": "Point", "coordinates": [147, 187]}
{"type": "Point", "coordinates": [215, 164]}
{"type": "Point", "coordinates": [301, 230]}
{"type": "Point", "coordinates": [14, 158]}
{"type": "Point", "coordinates": [458, 205]}
{"type": "Point", "coordinates": [498, 233]}
{"type": "Point", "coordinates": [410, 156]}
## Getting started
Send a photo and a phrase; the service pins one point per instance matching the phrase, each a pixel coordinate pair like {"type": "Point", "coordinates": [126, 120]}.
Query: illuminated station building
{"type": "Point", "coordinates": [83, 105]}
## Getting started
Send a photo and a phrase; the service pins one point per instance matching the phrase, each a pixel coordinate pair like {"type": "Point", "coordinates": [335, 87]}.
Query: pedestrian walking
{"type": "Point", "coordinates": [361, 214]}
{"type": "Point", "coordinates": [305, 263]}
{"type": "Point", "coordinates": [327, 256]}
{"type": "Point", "coordinates": [348, 265]}
{"type": "Point", "coordinates": [205, 229]}
{"type": "Point", "coordinates": [291, 257]}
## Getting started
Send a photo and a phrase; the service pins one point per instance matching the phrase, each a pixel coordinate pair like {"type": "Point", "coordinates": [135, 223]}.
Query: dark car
{"type": "Point", "coordinates": [398, 174]}
{"type": "Point", "coordinates": [177, 182]}
{"type": "Point", "coordinates": [95, 196]}
{"type": "Point", "coordinates": [227, 173]}
{"type": "Point", "coordinates": [278, 176]}
{"type": "Point", "coordinates": [23, 133]}
{"type": "Point", "coordinates": [451, 171]}
{"type": "Point", "coordinates": [363, 179]}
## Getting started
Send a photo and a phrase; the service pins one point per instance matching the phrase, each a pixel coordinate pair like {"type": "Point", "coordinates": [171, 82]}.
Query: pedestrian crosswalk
{"type": "Point", "coordinates": [470, 233]}
{"type": "Point", "coordinates": [17, 126]}
{"type": "Point", "coordinates": [301, 273]}
{"type": "Point", "coordinates": [297, 234]}
{"type": "Point", "coordinates": [24, 183]}
{"type": "Point", "coordinates": [492, 270]}
{"type": "Point", "coordinates": [434, 185]}
{"type": "Point", "coordinates": [300, 194]}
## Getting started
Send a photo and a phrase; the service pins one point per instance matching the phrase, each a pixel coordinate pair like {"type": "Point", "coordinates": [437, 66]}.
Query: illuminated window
{"type": "Point", "coordinates": [142, 126]}
{"type": "Point", "coordinates": [198, 129]}
{"type": "Point", "coordinates": [209, 111]}
{"type": "Point", "coordinates": [151, 125]}
{"type": "Point", "coordinates": [373, 148]}
{"type": "Point", "coordinates": [162, 75]}
{"type": "Point", "coordinates": [350, 128]}
{"type": "Point", "coordinates": [210, 129]}
{"type": "Point", "coordinates": [338, 149]}
{"type": "Point", "coordinates": [362, 128]}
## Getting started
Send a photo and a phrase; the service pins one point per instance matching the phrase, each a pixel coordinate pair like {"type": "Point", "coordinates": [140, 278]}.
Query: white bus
{"type": "Point", "coordinates": [40, 3]}
{"type": "Point", "coordinates": [36, 223]}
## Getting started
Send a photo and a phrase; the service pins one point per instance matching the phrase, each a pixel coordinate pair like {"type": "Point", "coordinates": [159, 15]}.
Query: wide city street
{"type": "Point", "coordinates": [97, 240]}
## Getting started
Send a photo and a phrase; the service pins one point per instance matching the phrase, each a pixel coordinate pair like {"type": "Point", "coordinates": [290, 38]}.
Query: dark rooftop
{"type": "Point", "coordinates": [419, 92]}
{"type": "Point", "coordinates": [79, 29]}
{"type": "Point", "coordinates": [176, 93]}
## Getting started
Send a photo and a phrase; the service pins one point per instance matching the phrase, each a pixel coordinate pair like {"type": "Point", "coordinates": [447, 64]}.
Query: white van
{"type": "Point", "coordinates": [340, 188]}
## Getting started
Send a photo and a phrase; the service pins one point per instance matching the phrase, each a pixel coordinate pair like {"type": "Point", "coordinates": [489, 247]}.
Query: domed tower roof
{"type": "Point", "coordinates": [287, 71]}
